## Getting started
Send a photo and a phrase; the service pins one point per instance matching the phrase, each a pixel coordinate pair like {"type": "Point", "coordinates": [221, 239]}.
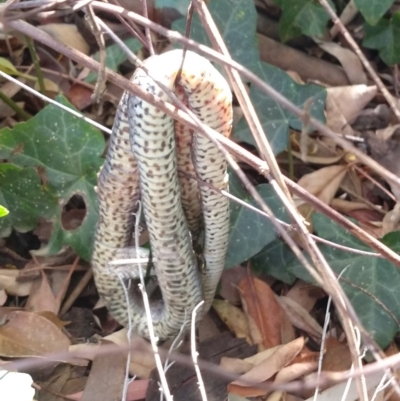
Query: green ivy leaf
{"type": "Point", "coordinates": [373, 10]}
{"type": "Point", "coordinates": [115, 56]}
{"type": "Point", "coordinates": [372, 284]}
{"type": "Point", "coordinates": [68, 150]}
{"type": "Point", "coordinates": [237, 22]}
{"type": "Point", "coordinates": [250, 232]}
{"type": "Point", "coordinates": [23, 194]}
{"type": "Point", "coordinates": [306, 17]}
{"type": "Point", "coordinates": [179, 5]}
{"type": "Point", "coordinates": [384, 36]}
{"type": "Point", "coordinates": [271, 259]}
{"type": "Point", "coordinates": [274, 118]}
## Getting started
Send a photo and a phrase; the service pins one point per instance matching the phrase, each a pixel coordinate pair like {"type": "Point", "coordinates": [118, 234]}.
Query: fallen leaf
{"type": "Point", "coordinates": [260, 305]}
{"type": "Point", "coordinates": [344, 103]}
{"type": "Point", "coordinates": [295, 371]}
{"type": "Point", "coordinates": [322, 183]}
{"type": "Point", "coordinates": [283, 355]}
{"type": "Point", "coordinates": [345, 206]}
{"type": "Point", "coordinates": [27, 334]}
{"type": "Point", "coordinates": [234, 318]}
{"type": "Point", "coordinates": [9, 283]}
{"type": "Point", "coordinates": [230, 280]}
{"type": "Point", "coordinates": [337, 356]}
{"type": "Point", "coordinates": [3, 297]}
{"type": "Point", "coordinates": [102, 385]}
{"type": "Point", "coordinates": [305, 294]}
{"type": "Point", "coordinates": [390, 394]}
{"type": "Point", "coordinates": [41, 297]}
{"type": "Point", "coordinates": [300, 318]}
{"type": "Point", "coordinates": [80, 96]}
{"type": "Point", "coordinates": [235, 365]}
{"type": "Point", "coordinates": [349, 61]}
{"type": "Point", "coordinates": [67, 34]}
{"type": "Point", "coordinates": [142, 357]}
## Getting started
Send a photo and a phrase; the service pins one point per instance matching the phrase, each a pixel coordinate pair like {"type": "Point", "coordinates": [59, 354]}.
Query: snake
{"type": "Point", "coordinates": [153, 158]}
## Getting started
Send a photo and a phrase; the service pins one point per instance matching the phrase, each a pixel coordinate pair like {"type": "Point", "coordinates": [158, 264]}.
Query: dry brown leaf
{"type": "Point", "coordinates": [49, 85]}
{"type": "Point", "coordinates": [266, 369]}
{"type": "Point", "coordinates": [9, 283]}
{"type": "Point", "coordinates": [142, 357]}
{"type": "Point", "coordinates": [102, 385]}
{"type": "Point", "coordinates": [318, 159]}
{"type": "Point", "coordinates": [230, 280]}
{"type": "Point", "coordinates": [67, 34]}
{"type": "Point", "coordinates": [345, 206]}
{"type": "Point", "coordinates": [41, 297]}
{"type": "Point", "coordinates": [235, 365]}
{"type": "Point", "coordinates": [260, 356]}
{"type": "Point", "coordinates": [234, 318]}
{"type": "Point", "coordinates": [337, 356]}
{"type": "Point", "coordinates": [349, 61]}
{"type": "Point", "coordinates": [295, 371]}
{"type": "Point", "coordinates": [322, 183]}
{"type": "Point", "coordinates": [259, 303]}
{"type": "Point", "coordinates": [29, 334]}
{"type": "Point", "coordinates": [80, 96]}
{"type": "Point", "coordinates": [305, 294]}
{"type": "Point", "coordinates": [300, 318]}
{"type": "Point", "coordinates": [3, 297]}
{"type": "Point", "coordinates": [344, 103]}
{"type": "Point", "coordinates": [389, 351]}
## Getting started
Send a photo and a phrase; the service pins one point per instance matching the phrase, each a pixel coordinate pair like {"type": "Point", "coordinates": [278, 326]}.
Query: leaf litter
{"type": "Point", "coordinates": [276, 316]}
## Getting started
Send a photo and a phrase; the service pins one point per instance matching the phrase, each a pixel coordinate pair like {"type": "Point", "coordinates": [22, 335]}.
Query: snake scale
{"type": "Point", "coordinates": [146, 151]}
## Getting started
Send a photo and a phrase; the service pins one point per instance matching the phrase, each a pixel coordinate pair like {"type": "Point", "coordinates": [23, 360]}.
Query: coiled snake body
{"type": "Point", "coordinates": [146, 150]}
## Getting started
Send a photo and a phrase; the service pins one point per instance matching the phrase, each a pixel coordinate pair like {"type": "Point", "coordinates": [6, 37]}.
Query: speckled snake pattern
{"type": "Point", "coordinates": [147, 150]}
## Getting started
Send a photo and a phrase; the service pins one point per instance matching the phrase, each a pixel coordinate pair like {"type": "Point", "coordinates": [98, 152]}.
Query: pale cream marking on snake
{"type": "Point", "coordinates": [146, 149]}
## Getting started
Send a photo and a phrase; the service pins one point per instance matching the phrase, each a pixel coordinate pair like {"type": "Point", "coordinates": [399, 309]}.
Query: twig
{"type": "Point", "coordinates": [98, 34]}
{"type": "Point", "coordinates": [147, 30]}
{"type": "Point", "coordinates": [195, 354]}
{"type": "Point", "coordinates": [36, 63]}
{"type": "Point", "coordinates": [77, 290]}
{"type": "Point", "coordinates": [61, 106]}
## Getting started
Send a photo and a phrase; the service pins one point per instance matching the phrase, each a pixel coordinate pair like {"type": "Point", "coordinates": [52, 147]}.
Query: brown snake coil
{"type": "Point", "coordinates": [147, 147]}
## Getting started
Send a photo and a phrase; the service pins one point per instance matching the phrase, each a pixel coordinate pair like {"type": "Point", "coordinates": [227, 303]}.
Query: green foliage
{"type": "Point", "coordinates": [66, 151]}
{"type": "Point", "coordinates": [181, 5]}
{"type": "Point", "coordinates": [384, 36]}
{"type": "Point", "coordinates": [306, 17]}
{"type": "Point", "coordinates": [275, 119]}
{"type": "Point", "coordinates": [237, 22]}
{"type": "Point", "coordinates": [115, 56]}
{"type": "Point", "coordinates": [3, 211]}
{"type": "Point", "coordinates": [371, 283]}
{"type": "Point", "coordinates": [250, 232]}
{"type": "Point", "coordinates": [373, 10]}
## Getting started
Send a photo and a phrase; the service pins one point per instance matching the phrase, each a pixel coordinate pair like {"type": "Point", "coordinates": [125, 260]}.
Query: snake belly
{"type": "Point", "coordinates": [146, 150]}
